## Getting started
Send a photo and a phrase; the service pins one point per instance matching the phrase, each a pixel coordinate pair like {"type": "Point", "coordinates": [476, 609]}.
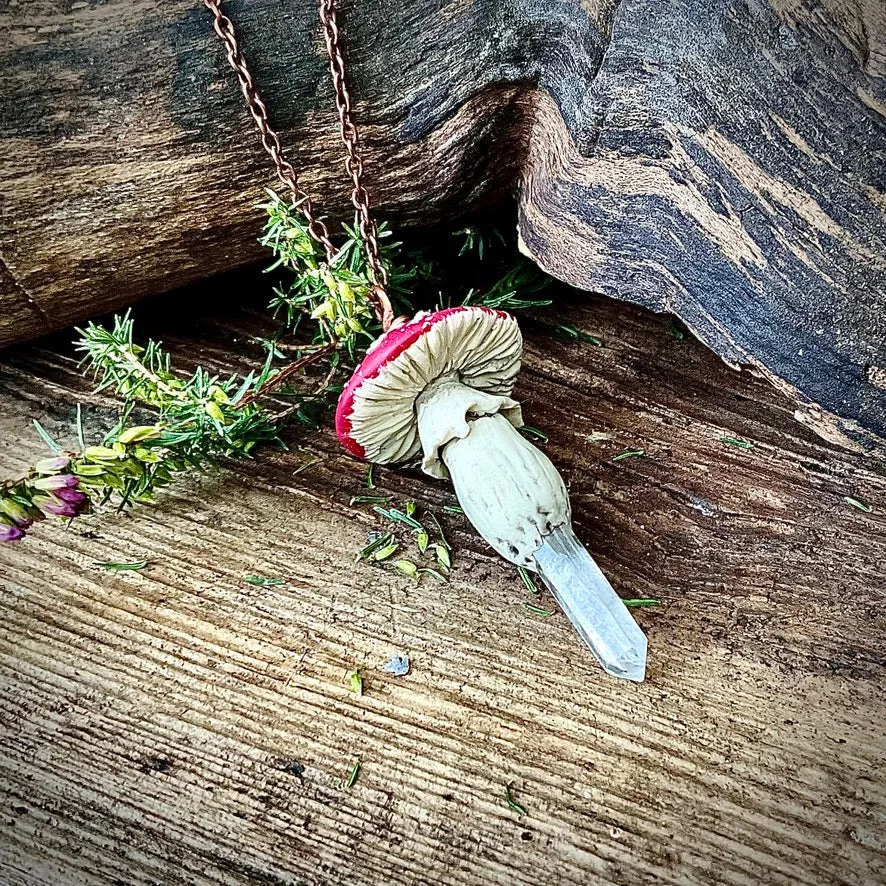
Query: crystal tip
{"type": "Point", "coordinates": [633, 668]}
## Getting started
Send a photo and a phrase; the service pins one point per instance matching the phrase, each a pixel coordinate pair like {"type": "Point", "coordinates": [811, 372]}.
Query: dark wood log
{"type": "Point", "coordinates": [721, 159]}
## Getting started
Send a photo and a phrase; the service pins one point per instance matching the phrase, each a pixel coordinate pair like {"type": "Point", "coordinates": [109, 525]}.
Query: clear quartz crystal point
{"type": "Point", "coordinates": [595, 610]}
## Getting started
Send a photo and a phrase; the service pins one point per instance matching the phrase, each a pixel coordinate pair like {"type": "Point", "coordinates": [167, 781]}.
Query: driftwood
{"type": "Point", "coordinates": [154, 724]}
{"type": "Point", "coordinates": [721, 159]}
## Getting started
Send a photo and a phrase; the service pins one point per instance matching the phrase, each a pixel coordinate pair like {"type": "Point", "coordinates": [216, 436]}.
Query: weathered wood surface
{"type": "Point", "coordinates": [723, 160]}
{"type": "Point", "coordinates": [149, 721]}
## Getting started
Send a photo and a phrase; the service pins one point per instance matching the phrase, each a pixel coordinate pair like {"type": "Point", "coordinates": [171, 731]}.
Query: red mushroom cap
{"type": "Point", "coordinates": [482, 345]}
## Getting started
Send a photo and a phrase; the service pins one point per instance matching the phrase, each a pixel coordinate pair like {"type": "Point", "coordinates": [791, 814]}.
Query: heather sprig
{"type": "Point", "coordinates": [200, 419]}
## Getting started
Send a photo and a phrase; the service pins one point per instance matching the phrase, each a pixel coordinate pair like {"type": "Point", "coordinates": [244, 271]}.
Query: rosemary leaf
{"type": "Point", "coordinates": [512, 803]}
{"type": "Point", "coordinates": [527, 580]}
{"type": "Point", "coordinates": [370, 499]}
{"type": "Point", "coordinates": [533, 433]}
{"type": "Point", "coordinates": [633, 453]}
{"type": "Point", "coordinates": [737, 443]}
{"type": "Point", "coordinates": [123, 567]}
{"type": "Point", "coordinates": [44, 435]}
{"type": "Point", "coordinates": [545, 613]}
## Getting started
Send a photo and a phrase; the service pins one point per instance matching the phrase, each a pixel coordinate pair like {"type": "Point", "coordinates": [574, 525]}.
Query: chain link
{"type": "Point", "coordinates": [350, 137]}
{"type": "Point", "coordinates": [353, 161]}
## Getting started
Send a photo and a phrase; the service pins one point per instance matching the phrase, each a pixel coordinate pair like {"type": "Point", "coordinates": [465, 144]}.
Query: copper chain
{"type": "Point", "coordinates": [350, 137]}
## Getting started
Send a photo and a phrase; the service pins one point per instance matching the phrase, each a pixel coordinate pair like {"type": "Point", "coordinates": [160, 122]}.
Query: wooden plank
{"type": "Point", "coordinates": [151, 722]}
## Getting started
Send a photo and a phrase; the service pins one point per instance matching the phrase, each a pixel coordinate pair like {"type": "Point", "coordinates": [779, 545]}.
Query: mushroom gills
{"type": "Point", "coordinates": [515, 498]}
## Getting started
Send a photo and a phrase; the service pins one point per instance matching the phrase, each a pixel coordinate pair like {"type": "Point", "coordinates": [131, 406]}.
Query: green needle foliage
{"type": "Point", "coordinates": [334, 292]}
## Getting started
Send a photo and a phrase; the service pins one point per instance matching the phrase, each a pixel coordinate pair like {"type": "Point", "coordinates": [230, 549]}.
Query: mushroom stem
{"type": "Point", "coordinates": [517, 501]}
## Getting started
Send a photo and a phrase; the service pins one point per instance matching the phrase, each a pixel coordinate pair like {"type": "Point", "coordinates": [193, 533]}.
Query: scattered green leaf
{"type": "Point", "coordinates": [677, 329]}
{"type": "Point", "coordinates": [385, 552]}
{"type": "Point", "coordinates": [546, 613]}
{"type": "Point", "coordinates": [355, 678]}
{"type": "Point", "coordinates": [533, 433]}
{"type": "Point", "coordinates": [737, 443]}
{"type": "Point", "coordinates": [640, 602]}
{"type": "Point", "coordinates": [439, 529]}
{"type": "Point", "coordinates": [577, 335]}
{"type": "Point", "coordinates": [527, 580]}
{"type": "Point", "coordinates": [453, 509]}
{"type": "Point", "coordinates": [374, 545]}
{"type": "Point", "coordinates": [443, 558]}
{"type": "Point", "coordinates": [410, 508]}
{"type": "Point", "coordinates": [855, 503]}
{"type": "Point", "coordinates": [512, 803]}
{"type": "Point", "coordinates": [370, 499]}
{"type": "Point", "coordinates": [427, 570]}
{"type": "Point", "coordinates": [81, 437]}
{"type": "Point", "coordinates": [44, 435]}
{"type": "Point", "coordinates": [124, 567]}
{"type": "Point", "coordinates": [407, 567]}
{"type": "Point", "coordinates": [398, 516]}
{"type": "Point", "coordinates": [264, 582]}
{"type": "Point", "coordinates": [352, 777]}
{"type": "Point", "coordinates": [633, 453]}
{"type": "Point", "coordinates": [370, 477]}
{"type": "Point", "coordinates": [421, 539]}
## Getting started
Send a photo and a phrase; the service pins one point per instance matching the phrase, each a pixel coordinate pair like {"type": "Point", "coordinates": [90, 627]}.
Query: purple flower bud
{"type": "Point", "coordinates": [58, 508]}
{"type": "Point", "coordinates": [10, 533]}
{"type": "Point", "coordinates": [73, 496]}
{"type": "Point", "coordinates": [14, 511]}
{"type": "Point", "coordinates": [57, 481]}
{"type": "Point", "coordinates": [51, 465]}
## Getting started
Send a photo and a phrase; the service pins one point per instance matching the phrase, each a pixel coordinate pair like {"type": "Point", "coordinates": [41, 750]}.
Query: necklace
{"type": "Point", "coordinates": [439, 387]}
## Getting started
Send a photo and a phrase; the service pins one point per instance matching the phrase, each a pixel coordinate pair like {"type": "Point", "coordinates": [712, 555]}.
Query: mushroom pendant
{"type": "Point", "coordinates": [439, 387]}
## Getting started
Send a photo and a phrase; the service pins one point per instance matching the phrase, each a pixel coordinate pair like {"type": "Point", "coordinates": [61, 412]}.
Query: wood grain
{"type": "Point", "coordinates": [722, 160]}
{"type": "Point", "coordinates": [150, 722]}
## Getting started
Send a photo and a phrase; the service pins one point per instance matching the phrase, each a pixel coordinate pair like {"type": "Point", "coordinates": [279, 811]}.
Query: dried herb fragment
{"type": "Point", "coordinates": [512, 803]}
{"type": "Point", "coordinates": [633, 453]}
{"type": "Point", "coordinates": [124, 567]}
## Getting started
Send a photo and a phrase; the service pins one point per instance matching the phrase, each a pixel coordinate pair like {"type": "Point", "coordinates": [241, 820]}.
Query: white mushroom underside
{"type": "Point", "coordinates": [480, 348]}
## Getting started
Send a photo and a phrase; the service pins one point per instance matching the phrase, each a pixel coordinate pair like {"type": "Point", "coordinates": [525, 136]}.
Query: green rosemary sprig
{"type": "Point", "coordinates": [333, 291]}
